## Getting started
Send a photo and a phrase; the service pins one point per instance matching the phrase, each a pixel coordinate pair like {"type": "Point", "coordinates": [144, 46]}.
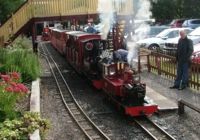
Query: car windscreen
{"type": "Point", "coordinates": [163, 33]}
{"type": "Point", "coordinates": [156, 30]}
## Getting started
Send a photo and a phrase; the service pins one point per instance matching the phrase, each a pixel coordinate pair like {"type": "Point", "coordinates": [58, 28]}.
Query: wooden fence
{"type": "Point", "coordinates": [165, 65]}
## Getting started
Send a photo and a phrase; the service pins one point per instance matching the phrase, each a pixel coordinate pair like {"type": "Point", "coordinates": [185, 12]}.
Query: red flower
{"type": "Point", "coordinates": [9, 89]}
{"type": "Point", "coordinates": [15, 75]}
{"type": "Point", "coordinates": [5, 78]}
{"type": "Point", "coordinates": [23, 88]}
{"type": "Point", "coordinates": [17, 89]}
{"type": "Point", "coordinates": [13, 83]}
{"type": "Point", "coordinates": [10, 82]}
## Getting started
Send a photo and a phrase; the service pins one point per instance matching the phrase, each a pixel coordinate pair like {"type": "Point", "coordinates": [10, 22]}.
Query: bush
{"type": "Point", "coordinates": [19, 129]}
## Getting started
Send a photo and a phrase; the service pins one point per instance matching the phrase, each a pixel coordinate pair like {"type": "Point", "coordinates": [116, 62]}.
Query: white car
{"type": "Point", "coordinates": [194, 36]}
{"type": "Point", "coordinates": [158, 42]}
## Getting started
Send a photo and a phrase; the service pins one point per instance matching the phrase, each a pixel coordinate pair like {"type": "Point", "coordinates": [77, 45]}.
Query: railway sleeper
{"type": "Point", "coordinates": [73, 108]}
{"type": "Point", "coordinates": [83, 123]}
{"type": "Point", "coordinates": [76, 113]}
{"type": "Point", "coordinates": [86, 128]}
{"type": "Point", "coordinates": [71, 104]}
{"type": "Point", "coordinates": [95, 137]}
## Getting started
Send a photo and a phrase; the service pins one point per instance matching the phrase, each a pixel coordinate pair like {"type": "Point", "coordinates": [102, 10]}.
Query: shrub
{"type": "Point", "coordinates": [19, 129]}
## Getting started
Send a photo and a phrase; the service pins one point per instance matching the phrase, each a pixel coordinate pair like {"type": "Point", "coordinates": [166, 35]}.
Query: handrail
{"type": "Point", "coordinates": [14, 12]}
{"type": "Point", "coordinates": [15, 23]}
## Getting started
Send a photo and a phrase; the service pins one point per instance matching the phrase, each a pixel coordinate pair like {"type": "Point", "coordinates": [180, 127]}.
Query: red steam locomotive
{"type": "Point", "coordinates": [88, 54]}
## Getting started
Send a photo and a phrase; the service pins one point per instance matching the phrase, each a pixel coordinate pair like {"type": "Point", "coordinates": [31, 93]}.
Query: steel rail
{"type": "Point", "coordinates": [153, 130]}
{"type": "Point", "coordinates": [98, 134]}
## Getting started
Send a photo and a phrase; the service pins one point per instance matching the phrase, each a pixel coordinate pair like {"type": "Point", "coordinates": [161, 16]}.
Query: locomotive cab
{"type": "Point", "coordinates": [119, 80]}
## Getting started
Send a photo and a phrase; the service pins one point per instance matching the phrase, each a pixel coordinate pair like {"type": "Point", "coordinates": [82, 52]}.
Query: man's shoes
{"type": "Point", "coordinates": [182, 87]}
{"type": "Point", "coordinates": [174, 87]}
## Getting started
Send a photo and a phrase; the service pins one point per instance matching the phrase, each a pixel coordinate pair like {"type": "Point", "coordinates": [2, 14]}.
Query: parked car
{"type": "Point", "coordinates": [191, 23]}
{"type": "Point", "coordinates": [176, 23]}
{"type": "Point", "coordinates": [149, 31]}
{"type": "Point", "coordinates": [158, 42]}
{"type": "Point", "coordinates": [196, 53]}
{"type": "Point", "coordinates": [194, 36]}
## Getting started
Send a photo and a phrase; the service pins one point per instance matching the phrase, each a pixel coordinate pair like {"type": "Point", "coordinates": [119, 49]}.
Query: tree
{"type": "Point", "coordinates": [7, 7]}
{"type": "Point", "coordinates": [191, 8]}
{"type": "Point", "coordinates": [172, 9]}
{"type": "Point", "coordinates": [163, 9]}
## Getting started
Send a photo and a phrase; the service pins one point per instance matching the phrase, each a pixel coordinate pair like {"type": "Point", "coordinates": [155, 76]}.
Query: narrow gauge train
{"type": "Point", "coordinates": [88, 54]}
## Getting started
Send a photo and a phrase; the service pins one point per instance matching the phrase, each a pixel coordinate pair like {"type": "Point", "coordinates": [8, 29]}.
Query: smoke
{"type": "Point", "coordinates": [143, 11]}
{"type": "Point", "coordinates": [107, 10]}
{"type": "Point", "coordinates": [141, 28]}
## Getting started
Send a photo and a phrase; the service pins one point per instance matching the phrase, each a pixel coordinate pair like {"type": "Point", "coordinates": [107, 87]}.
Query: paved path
{"type": "Point", "coordinates": [161, 85]}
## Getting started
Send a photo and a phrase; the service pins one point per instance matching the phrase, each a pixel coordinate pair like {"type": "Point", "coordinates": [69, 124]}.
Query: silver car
{"type": "Point", "coordinates": [191, 23]}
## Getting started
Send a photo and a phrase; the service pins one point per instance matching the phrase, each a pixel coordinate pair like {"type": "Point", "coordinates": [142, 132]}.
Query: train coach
{"type": "Point", "coordinates": [58, 39]}
{"type": "Point", "coordinates": [88, 54]}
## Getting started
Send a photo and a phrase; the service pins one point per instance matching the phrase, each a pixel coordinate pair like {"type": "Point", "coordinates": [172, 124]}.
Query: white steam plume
{"type": "Point", "coordinates": [142, 13]}
{"type": "Point", "coordinates": [106, 12]}
{"type": "Point", "coordinates": [107, 9]}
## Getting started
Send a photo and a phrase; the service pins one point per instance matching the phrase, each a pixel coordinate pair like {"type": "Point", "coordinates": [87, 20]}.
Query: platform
{"type": "Point", "coordinates": [158, 90]}
{"type": "Point", "coordinates": [162, 102]}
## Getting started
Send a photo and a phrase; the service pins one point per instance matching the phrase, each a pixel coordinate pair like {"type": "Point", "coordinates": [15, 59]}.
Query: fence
{"type": "Point", "coordinates": [165, 65]}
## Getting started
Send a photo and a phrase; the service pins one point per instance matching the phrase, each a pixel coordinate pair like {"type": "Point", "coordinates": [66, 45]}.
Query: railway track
{"type": "Point", "coordinates": [152, 129]}
{"type": "Point", "coordinates": [90, 130]}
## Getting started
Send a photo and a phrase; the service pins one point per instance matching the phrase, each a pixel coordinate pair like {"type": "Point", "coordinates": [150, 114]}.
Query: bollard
{"type": "Point", "coordinates": [180, 107]}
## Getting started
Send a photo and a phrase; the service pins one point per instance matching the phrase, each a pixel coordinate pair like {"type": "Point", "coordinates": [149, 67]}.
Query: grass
{"type": "Point", "coordinates": [19, 57]}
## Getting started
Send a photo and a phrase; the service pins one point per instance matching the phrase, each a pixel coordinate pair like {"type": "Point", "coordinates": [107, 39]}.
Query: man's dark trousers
{"type": "Point", "coordinates": [182, 75]}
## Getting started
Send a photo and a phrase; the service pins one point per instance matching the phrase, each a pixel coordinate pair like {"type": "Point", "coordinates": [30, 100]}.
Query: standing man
{"type": "Point", "coordinates": [35, 47]}
{"type": "Point", "coordinates": [183, 58]}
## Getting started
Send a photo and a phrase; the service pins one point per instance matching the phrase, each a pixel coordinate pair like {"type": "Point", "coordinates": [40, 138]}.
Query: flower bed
{"type": "Point", "coordinates": [14, 124]}
{"type": "Point", "coordinates": [11, 90]}
{"type": "Point", "coordinates": [18, 65]}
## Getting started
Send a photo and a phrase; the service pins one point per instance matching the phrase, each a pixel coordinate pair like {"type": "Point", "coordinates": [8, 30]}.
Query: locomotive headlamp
{"type": "Point", "coordinates": [112, 71]}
